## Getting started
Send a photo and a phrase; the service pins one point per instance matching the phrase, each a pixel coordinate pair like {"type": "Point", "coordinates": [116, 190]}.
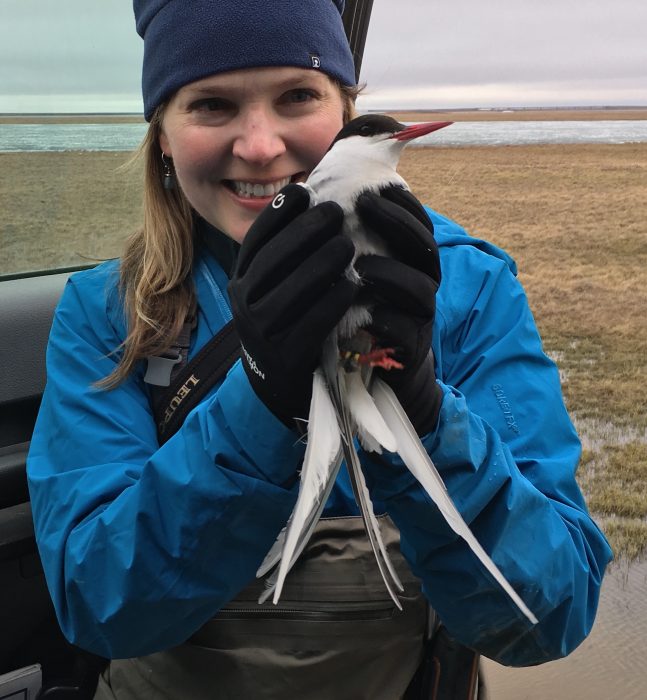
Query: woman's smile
{"type": "Point", "coordinates": [259, 191]}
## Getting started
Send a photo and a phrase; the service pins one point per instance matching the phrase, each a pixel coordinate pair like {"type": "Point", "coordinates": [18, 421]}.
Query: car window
{"type": "Point", "coordinates": [70, 117]}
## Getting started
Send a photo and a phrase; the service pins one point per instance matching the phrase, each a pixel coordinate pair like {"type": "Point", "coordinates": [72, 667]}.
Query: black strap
{"type": "Point", "coordinates": [194, 381]}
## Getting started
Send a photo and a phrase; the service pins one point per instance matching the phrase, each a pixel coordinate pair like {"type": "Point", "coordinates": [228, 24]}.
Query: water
{"type": "Point", "coordinates": [610, 664]}
{"type": "Point", "coordinates": [126, 137]}
{"type": "Point", "coordinates": [71, 137]}
{"type": "Point", "coordinates": [520, 133]}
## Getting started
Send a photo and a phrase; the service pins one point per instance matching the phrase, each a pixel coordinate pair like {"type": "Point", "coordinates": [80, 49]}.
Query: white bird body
{"type": "Point", "coordinates": [371, 168]}
{"type": "Point", "coordinates": [346, 402]}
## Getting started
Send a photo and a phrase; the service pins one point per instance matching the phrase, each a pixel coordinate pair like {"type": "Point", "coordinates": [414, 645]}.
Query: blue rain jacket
{"type": "Point", "coordinates": [142, 544]}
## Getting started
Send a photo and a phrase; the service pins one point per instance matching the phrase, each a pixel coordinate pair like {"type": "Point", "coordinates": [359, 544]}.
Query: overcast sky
{"type": "Point", "coordinates": [84, 55]}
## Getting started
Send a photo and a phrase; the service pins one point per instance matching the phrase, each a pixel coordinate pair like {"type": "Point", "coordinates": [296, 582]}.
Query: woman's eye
{"type": "Point", "coordinates": [210, 104]}
{"type": "Point", "coordinates": [300, 95]}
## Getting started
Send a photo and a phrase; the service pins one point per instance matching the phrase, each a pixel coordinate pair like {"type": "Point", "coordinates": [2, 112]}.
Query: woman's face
{"type": "Point", "coordinates": [237, 138]}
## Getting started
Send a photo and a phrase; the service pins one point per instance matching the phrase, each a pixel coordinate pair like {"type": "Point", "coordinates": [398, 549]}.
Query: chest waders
{"type": "Point", "coordinates": [335, 634]}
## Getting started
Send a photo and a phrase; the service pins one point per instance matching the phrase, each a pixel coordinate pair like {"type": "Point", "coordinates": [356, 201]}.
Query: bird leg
{"type": "Point", "coordinates": [360, 351]}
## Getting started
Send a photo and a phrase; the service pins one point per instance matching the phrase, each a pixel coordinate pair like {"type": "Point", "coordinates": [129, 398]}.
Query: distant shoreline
{"type": "Point", "coordinates": [535, 114]}
{"type": "Point", "coordinates": [71, 119]}
{"type": "Point", "coordinates": [551, 114]}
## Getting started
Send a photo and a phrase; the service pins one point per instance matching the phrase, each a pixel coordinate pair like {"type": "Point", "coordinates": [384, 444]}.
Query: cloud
{"type": "Point", "coordinates": [72, 103]}
{"type": "Point", "coordinates": [584, 51]}
{"type": "Point", "coordinates": [499, 95]}
{"type": "Point", "coordinates": [418, 52]}
{"type": "Point", "coordinates": [67, 47]}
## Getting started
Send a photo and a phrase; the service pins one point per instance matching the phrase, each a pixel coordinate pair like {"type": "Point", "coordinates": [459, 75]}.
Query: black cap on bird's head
{"type": "Point", "coordinates": [382, 125]}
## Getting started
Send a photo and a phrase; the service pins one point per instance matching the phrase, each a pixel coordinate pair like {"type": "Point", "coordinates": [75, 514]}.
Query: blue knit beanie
{"type": "Point", "coordinates": [186, 40]}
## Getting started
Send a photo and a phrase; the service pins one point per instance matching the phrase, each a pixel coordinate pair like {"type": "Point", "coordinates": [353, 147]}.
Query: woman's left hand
{"type": "Point", "coordinates": [401, 293]}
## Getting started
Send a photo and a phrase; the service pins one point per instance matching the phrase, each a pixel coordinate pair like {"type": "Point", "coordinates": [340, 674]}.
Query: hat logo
{"type": "Point", "coordinates": [316, 61]}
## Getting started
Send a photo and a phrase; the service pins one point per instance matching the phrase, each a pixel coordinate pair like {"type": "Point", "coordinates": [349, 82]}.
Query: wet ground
{"type": "Point", "coordinates": [610, 665]}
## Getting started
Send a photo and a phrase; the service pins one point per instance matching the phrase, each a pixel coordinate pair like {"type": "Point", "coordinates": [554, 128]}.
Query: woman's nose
{"type": "Point", "coordinates": [260, 140]}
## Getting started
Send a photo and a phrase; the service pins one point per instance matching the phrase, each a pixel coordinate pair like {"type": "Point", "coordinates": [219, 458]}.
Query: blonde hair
{"type": "Point", "coordinates": [155, 273]}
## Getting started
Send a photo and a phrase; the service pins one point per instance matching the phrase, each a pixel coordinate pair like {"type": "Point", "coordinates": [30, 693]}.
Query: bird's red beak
{"type": "Point", "coordinates": [416, 130]}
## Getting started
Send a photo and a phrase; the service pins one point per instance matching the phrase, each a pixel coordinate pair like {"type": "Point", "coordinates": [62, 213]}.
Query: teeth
{"type": "Point", "coordinates": [249, 189]}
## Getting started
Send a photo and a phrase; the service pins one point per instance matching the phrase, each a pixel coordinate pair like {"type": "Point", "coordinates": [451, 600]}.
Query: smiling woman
{"type": "Point", "coordinates": [151, 542]}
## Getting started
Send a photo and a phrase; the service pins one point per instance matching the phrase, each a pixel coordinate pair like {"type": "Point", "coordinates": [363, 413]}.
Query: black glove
{"type": "Point", "coordinates": [401, 292]}
{"type": "Point", "coordinates": [287, 293]}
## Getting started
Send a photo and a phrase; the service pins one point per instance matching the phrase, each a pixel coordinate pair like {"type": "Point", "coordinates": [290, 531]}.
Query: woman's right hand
{"type": "Point", "coordinates": [288, 292]}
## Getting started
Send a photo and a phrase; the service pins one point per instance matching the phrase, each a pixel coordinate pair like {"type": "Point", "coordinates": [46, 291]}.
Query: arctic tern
{"type": "Point", "coordinates": [347, 401]}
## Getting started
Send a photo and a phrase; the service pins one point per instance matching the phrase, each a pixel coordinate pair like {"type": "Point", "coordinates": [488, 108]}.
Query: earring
{"type": "Point", "coordinates": [170, 183]}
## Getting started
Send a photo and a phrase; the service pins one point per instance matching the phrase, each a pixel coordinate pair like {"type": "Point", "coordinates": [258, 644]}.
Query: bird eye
{"type": "Point", "coordinates": [366, 130]}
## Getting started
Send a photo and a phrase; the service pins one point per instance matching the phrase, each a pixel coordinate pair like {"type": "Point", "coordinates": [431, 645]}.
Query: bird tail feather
{"type": "Point", "coordinates": [371, 428]}
{"type": "Point", "coordinates": [419, 463]}
{"type": "Point", "coordinates": [273, 557]}
{"type": "Point", "coordinates": [319, 471]}
{"type": "Point", "coordinates": [362, 496]}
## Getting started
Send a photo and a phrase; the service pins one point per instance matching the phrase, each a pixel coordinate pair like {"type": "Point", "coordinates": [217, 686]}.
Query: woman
{"type": "Point", "coordinates": [143, 545]}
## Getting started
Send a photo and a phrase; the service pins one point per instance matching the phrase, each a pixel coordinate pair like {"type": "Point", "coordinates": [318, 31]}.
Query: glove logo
{"type": "Point", "coordinates": [252, 364]}
{"type": "Point", "coordinates": [277, 202]}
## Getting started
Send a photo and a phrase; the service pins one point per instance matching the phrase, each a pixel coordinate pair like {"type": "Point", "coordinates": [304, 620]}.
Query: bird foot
{"type": "Point", "coordinates": [380, 358]}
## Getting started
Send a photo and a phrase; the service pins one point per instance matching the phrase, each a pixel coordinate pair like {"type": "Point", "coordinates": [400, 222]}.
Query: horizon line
{"type": "Point", "coordinates": [475, 108]}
